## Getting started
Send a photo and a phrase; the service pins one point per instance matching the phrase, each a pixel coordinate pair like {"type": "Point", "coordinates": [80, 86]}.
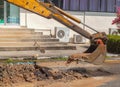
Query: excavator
{"type": "Point", "coordinates": [95, 54]}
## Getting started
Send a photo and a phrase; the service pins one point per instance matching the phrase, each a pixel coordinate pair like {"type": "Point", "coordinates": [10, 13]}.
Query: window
{"type": "Point", "coordinates": [118, 3]}
{"type": "Point", "coordinates": [103, 7]}
{"type": "Point", "coordinates": [74, 5]}
{"type": "Point", "coordinates": [9, 14]}
{"type": "Point", "coordinates": [66, 5]}
{"type": "Point", "coordinates": [58, 3]}
{"type": "Point", "coordinates": [12, 14]}
{"type": "Point", "coordinates": [111, 5]}
{"type": "Point", "coordinates": [91, 5]}
{"type": "Point", "coordinates": [94, 5]}
{"type": "Point", "coordinates": [84, 6]}
{"type": "Point", "coordinates": [1, 12]}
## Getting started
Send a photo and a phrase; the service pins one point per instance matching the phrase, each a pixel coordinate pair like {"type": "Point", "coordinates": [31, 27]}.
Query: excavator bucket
{"type": "Point", "coordinates": [95, 54]}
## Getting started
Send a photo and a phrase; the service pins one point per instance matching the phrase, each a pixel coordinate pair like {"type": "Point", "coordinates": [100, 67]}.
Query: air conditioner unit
{"type": "Point", "coordinates": [62, 33]}
{"type": "Point", "coordinates": [113, 31]}
{"type": "Point", "coordinates": [79, 39]}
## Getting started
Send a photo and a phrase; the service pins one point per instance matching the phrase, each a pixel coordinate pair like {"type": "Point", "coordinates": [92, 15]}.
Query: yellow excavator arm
{"type": "Point", "coordinates": [48, 10]}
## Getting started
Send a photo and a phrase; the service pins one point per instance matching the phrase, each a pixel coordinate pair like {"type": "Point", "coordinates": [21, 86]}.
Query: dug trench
{"type": "Point", "coordinates": [17, 73]}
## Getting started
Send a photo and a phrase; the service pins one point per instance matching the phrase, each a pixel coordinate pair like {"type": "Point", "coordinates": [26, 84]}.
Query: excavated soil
{"type": "Point", "coordinates": [20, 73]}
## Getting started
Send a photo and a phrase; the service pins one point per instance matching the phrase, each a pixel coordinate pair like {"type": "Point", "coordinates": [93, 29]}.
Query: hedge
{"type": "Point", "coordinates": [113, 44]}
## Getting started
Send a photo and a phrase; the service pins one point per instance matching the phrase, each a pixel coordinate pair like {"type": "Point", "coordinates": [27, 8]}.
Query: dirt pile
{"type": "Point", "coordinates": [10, 74]}
{"type": "Point", "coordinates": [16, 73]}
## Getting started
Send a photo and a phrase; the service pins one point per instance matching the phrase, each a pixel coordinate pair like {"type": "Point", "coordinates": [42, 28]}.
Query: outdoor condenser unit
{"type": "Point", "coordinates": [78, 39]}
{"type": "Point", "coordinates": [62, 33]}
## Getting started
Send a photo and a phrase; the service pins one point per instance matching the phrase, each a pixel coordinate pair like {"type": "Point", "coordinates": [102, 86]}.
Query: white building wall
{"type": "Point", "coordinates": [97, 20]}
{"type": "Point", "coordinates": [100, 21]}
{"type": "Point", "coordinates": [23, 16]}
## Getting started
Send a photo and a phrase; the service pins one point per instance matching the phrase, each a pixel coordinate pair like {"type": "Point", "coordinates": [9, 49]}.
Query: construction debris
{"type": "Point", "coordinates": [16, 73]}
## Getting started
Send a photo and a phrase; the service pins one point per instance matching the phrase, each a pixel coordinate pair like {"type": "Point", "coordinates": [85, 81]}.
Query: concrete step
{"type": "Point", "coordinates": [17, 40]}
{"type": "Point", "coordinates": [32, 43]}
{"type": "Point", "coordinates": [22, 48]}
{"type": "Point", "coordinates": [19, 32]}
{"type": "Point", "coordinates": [16, 30]}
{"type": "Point", "coordinates": [41, 40]}
{"type": "Point", "coordinates": [7, 29]}
{"type": "Point", "coordinates": [40, 33]}
{"type": "Point", "coordinates": [29, 39]}
{"type": "Point", "coordinates": [23, 36]}
{"type": "Point", "coordinates": [48, 53]}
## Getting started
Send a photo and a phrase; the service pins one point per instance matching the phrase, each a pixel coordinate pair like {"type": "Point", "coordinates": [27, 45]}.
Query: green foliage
{"type": "Point", "coordinates": [15, 61]}
{"type": "Point", "coordinates": [60, 59]}
{"type": "Point", "coordinates": [119, 30]}
{"type": "Point", "coordinates": [10, 60]}
{"type": "Point", "coordinates": [113, 45]}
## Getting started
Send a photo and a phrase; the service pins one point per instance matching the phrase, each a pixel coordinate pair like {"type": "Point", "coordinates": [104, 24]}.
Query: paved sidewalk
{"type": "Point", "coordinates": [115, 83]}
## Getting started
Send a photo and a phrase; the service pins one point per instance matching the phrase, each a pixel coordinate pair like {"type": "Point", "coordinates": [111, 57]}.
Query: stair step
{"type": "Point", "coordinates": [40, 33]}
{"type": "Point", "coordinates": [28, 39]}
{"type": "Point", "coordinates": [23, 36]}
{"type": "Point", "coordinates": [7, 29]}
{"type": "Point", "coordinates": [19, 32]}
{"type": "Point", "coordinates": [37, 48]}
{"type": "Point", "coordinates": [32, 43]}
{"type": "Point", "coordinates": [41, 40]}
{"type": "Point", "coordinates": [16, 30]}
{"type": "Point", "coordinates": [15, 33]}
{"type": "Point", "coordinates": [13, 41]}
{"type": "Point", "coordinates": [48, 53]}
{"type": "Point", "coordinates": [27, 54]}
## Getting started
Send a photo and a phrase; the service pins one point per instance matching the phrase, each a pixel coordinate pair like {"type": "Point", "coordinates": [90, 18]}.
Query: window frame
{"type": "Point", "coordinates": [5, 15]}
{"type": "Point", "coordinates": [99, 9]}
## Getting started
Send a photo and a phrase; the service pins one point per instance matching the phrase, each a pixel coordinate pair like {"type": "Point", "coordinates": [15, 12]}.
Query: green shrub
{"type": "Point", "coordinates": [113, 44]}
{"type": "Point", "coordinates": [9, 60]}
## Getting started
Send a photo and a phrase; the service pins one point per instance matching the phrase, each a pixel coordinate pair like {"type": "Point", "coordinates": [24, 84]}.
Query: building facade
{"type": "Point", "coordinates": [95, 13]}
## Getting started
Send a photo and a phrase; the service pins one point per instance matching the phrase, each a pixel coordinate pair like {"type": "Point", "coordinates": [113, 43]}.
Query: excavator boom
{"type": "Point", "coordinates": [49, 10]}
